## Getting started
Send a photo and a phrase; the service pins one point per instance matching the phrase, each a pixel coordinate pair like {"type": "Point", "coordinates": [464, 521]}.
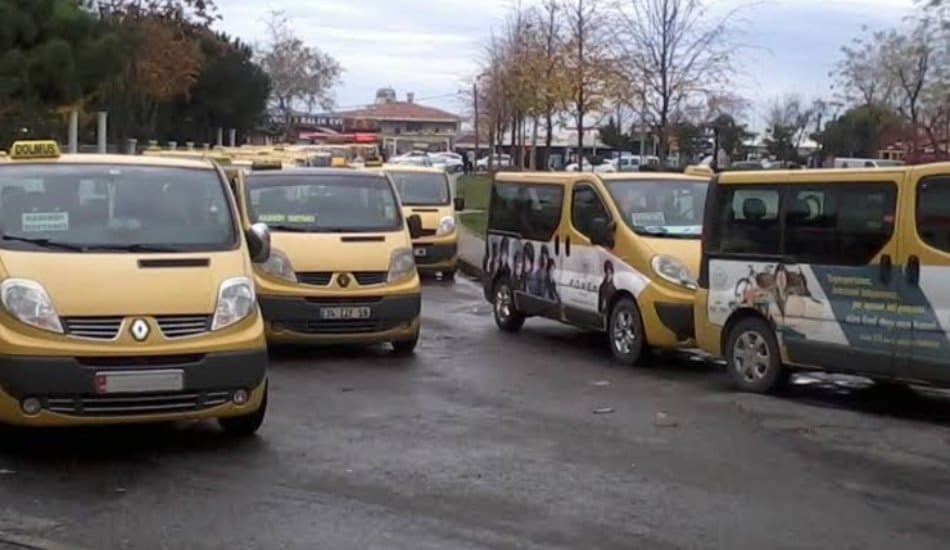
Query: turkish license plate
{"type": "Point", "coordinates": [140, 382]}
{"type": "Point", "coordinates": [343, 313]}
{"type": "Point", "coordinates": [420, 251]}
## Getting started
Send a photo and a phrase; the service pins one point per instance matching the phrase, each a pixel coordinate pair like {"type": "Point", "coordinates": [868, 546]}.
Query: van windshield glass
{"type": "Point", "coordinates": [100, 207]}
{"type": "Point", "coordinates": [323, 203]}
{"type": "Point", "coordinates": [421, 188]}
{"type": "Point", "coordinates": [661, 208]}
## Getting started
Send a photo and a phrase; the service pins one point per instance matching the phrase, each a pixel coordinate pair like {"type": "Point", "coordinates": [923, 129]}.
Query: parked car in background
{"type": "Point", "coordinates": [453, 161]}
{"type": "Point", "coordinates": [498, 161]}
{"type": "Point", "coordinates": [412, 160]}
{"type": "Point", "coordinates": [605, 168]}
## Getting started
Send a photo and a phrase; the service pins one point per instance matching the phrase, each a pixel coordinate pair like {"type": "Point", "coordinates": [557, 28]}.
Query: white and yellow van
{"type": "Point", "coordinates": [341, 269]}
{"type": "Point", "coordinates": [611, 252]}
{"type": "Point", "coordinates": [426, 192]}
{"type": "Point", "coordinates": [846, 270]}
{"type": "Point", "coordinates": [127, 293]}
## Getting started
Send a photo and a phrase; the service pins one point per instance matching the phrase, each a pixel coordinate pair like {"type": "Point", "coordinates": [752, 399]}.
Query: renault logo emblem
{"type": "Point", "coordinates": [344, 280]}
{"type": "Point", "coordinates": [139, 329]}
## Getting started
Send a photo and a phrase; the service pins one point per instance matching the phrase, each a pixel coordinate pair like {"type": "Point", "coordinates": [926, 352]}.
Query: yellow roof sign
{"type": "Point", "coordinates": [34, 150]}
{"type": "Point", "coordinates": [267, 165]}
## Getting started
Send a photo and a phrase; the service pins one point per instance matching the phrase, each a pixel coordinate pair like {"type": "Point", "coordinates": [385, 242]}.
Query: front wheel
{"type": "Point", "coordinates": [506, 315]}
{"type": "Point", "coordinates": [753, 357]}
{"type": "Point", "coordinates": [245, 425]}
{"type": "Point", "coordinates": [406, 347]}
{"type": "Point", "coordinates": [625, 331]}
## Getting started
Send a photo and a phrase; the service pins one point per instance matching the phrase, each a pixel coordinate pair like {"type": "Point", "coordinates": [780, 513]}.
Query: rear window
{"type": "Point", "coordinates": [421, 188]}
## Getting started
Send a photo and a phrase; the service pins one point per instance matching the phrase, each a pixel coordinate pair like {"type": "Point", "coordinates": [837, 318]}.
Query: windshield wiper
{"type": "Point", "coordinates": [134, 247]}
{"type": "Point", "coordinates": [290, 228]}
{"type": "Point", "coordinates": [45, 243]}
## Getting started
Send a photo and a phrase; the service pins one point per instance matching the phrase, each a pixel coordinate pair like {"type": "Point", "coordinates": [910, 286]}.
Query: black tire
{"type": "Point", "coordinates": [753, 357]}
{"type": "Point", "coordinates": [245, 425]}
{"type": "Point", "coordinates": [625, 333]}
{"type": "Point", "coordinates": [507, 316]}
{"type": "Point", "coordinates": [406, 347]}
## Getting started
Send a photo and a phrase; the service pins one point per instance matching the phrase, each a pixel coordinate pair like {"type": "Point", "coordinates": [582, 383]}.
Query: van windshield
{"type": "Point", "coordinates": [421, 188]}
{"type": "Point", "coordinates": [323, 203]}
{"type": "Point", "coordinates": [122, 208]}
{"type": "Point", "coordinates": [661, 208]}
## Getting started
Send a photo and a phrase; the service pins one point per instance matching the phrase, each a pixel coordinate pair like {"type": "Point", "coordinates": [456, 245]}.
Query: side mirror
{"type": "Point", "coordinates": [415, 226]}
{"type": "Point", "coordinates": [459, 204]}
{"type": "Point", "coordinates": [258, 241]}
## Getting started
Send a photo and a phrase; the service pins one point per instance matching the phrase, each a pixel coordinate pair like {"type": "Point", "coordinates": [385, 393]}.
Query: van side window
{"type": "Point", "coordinates": [748, 220]}
{"type": "Point", "coordinates": [933, 212]}
{"type": "Point", "coordinates": [504, 210]}
{"type": "Point", "coordinates": [839, 224]}
{"type": "Point", "coordinates": [586, 206]}
{"type": "Point", "coordinates": [532, 211]}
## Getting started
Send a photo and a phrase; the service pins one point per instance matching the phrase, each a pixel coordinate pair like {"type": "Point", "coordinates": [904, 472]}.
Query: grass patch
{"type": "Point", "coordinates": [476, 222]}
{"type": "Point", "coordinates": [476, 189]}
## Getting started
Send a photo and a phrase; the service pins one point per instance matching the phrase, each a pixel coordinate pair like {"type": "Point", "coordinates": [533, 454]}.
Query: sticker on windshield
{"type": "Point", "coordinates": [272, 218]}
{"type": "Point", "coordinates": [684, 229]}
{"type": "Point", "coordinates": [647, 219]}
{"type": "Point", "coordinates": [45, 221]}
{"type": "Point", "coordinates": [301, 218]}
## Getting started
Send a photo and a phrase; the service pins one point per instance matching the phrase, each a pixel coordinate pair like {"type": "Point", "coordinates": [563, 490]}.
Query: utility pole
{"type": "Point", "coordinates": [475, 122]}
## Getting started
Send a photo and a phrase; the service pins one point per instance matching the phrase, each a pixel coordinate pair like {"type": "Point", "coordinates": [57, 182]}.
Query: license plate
{"type": "Point", "coordinates": [420, 251]}
{"type": "Point", "coordinates": [338, 313]}
{"type": "Point", "coordinates": [140, 382]}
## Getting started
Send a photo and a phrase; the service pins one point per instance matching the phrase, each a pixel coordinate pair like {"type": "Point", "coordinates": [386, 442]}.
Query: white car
{"type": "Point", "coordinates": [604, 168]}
{"type": "Point", "coordinates": [498, 161]}
{"type": "Point", "coordinates": [453, 161]}
{"type": "Point", "coordinates": [411, 161]}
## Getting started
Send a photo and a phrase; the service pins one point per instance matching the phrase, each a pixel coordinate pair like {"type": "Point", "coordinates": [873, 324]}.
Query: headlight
{"type": "Point", "coordinates": [236, 300]}
{"type": "Point", "coordinates": [446, 226]}
{"type": "Point", "coordinates": [673, 270]}
{"type": "Point", "coordinates": [28, 301]}
{"type": "Point", "coordinates": [278, 265]}
{"type": "Point", "coordinates": [401, 264]}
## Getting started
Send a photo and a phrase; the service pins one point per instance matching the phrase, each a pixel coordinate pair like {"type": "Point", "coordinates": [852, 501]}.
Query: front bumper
{"type": "Point", "coordinates": [66, 386]}
{"type": "Point", "coordinates": [302, 320]}
{"type": "Point", "coordinates": [435, 256]}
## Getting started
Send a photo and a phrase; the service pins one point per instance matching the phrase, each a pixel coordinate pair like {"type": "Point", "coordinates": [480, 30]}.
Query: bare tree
{"type": "Point", "coordinates": [673, 51]}
{"type": "Point", "coordinates": [587, 61]}
{"type": "Point", "coordinates": [298, 73]}
{"type": "Point", "coordinates": [860, 76]}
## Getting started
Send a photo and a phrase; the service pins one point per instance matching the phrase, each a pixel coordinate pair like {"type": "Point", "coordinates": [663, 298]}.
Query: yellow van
{"type": "Point", "coordinates": [609, 252]}
{"type": "Point", "coordinates": [127, 293]}
{"type": "Point", "coordinates": [843, 270]}
{"type": "Point", "coordinates": [341, 269]}
{"type": "Point", "coordinates": [426, 192]}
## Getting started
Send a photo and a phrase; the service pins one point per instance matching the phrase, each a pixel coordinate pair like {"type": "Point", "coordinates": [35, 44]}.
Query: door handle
{"type": "Point", "coordinates": [886, 268]}
{"type": "Point", "coordinates": [557, 244]}
{"type": "Point", "coordinates": [913, 270]}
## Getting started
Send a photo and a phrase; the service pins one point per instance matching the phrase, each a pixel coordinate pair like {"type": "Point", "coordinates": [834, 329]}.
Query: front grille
{"type": "Point", "coordinates": [98, 328]}
{"type": "Point", "coordinates": [98, 405]}
{"type": "Point", "coordinates": [180, 326]}
{"type": "Point", "coordinates": [344, 301]}
{"type": "Point", "coordinates": [365, 278]}
{"type": "Point", "coordinates": [315, 278]}
{"type": "Point", "coordinates": [342, 326]}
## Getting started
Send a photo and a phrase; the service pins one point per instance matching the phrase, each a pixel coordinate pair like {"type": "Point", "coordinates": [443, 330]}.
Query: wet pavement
{"type": "Point", "coordinates": [488, 440]}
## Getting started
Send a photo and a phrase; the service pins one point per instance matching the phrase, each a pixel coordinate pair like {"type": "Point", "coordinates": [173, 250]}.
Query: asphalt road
{"type": "Point", "coordinates": [489, 441]}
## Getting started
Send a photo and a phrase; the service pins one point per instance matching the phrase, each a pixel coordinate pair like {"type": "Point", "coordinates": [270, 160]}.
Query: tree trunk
{"type": "Point", "coordinates": [549, 138]}
{"type": "Point", "coordinates": [534, 145]}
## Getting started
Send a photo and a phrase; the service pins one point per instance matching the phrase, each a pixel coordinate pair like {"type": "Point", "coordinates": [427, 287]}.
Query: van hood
{"type": "Point", "coordinates": [687, 251]}
{"type": "Point", "coordinates": [430, 215]}
{"type": "Point", "coordinates": [340, 252]}
{"type": "Point", "coordinates": [117, 284]}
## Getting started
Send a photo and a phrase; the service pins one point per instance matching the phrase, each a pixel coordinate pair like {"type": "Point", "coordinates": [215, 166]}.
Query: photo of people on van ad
{"type": "Point", "coordinates": [587, 279]}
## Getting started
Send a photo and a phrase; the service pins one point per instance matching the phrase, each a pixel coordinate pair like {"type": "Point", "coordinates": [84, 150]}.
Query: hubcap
{"type": "Point", "coordinates": [750, 356]}
{"type": "Point", "coordinates": [624, 333]}
{"type": "Point", "coordinates": [503, 303]}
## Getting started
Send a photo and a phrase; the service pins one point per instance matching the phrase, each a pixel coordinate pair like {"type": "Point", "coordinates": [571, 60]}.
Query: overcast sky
{"type": "Point", "coordinates": [433, 47]}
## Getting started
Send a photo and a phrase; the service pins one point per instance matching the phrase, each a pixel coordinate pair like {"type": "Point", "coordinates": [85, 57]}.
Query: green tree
{"type": "Point", "coordinates": [613, 136]}
{"type": "Point", "coordinates": [857, 133]}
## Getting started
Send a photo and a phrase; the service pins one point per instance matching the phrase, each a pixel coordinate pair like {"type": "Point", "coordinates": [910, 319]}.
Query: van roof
{"type": "Point", "coordinates": [132, 160]}
{"type": "Point", "coordinates": [318, 172]}
{"type": "Point", "coordinates": [627, 176]}
{"type": "Point", "coordinates": [823, 175]}
{"type": "Point", "coordinates": [567, 177]}
{"type": "Point", "coordinates": [408, 168]}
